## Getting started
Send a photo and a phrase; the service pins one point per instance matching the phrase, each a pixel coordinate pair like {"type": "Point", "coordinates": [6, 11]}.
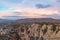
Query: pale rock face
{"type": "Point", "coordinates": [41, 33]}
{"type": "Point", "coordinates": [58, 34]}
{"type": "Point", "coordinates": [49, 27]}
{"type": "Point", "coordinates": [35, 30]}
{"type": "Point", "coordinates": [44, 27]}
{"type": "Point", "coordinates": [59, 27]}
{"type": "Point", "coordinates": [49, 31]}
{"type": "Point", "coordinates": [55, 36]}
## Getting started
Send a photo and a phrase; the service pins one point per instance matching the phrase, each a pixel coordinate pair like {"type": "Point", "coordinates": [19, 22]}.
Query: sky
{"type": "Point", "coordinates": [17, 9]}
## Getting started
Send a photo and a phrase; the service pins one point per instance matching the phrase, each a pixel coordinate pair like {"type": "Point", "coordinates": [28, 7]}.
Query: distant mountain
{"type": "Point", "coordinates": [37, 20]}
{"type": "Point", "coordinates": [31, 20]}
{"type": "Point", "coordinates": [5, 20]}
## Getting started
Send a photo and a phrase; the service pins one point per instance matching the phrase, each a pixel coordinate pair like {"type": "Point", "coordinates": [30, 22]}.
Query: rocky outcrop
{"type": "Point", "coordinates": [35, 31]}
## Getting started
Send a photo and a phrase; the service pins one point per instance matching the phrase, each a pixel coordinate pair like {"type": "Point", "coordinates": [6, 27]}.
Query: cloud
{"type": "Point", "coordinates": [29, 8]}
{"type": "Point", "coordinates": [14, 17]}
{"type": "Point", "coordinates": [31, 13]}
{"type": "Point", "coordinates": [58, 0]}
{"type": "Point", "coordinates": [56, 16]}
{"type": "Point", "coordinates": [27, 12]}
{"type": "Point", "coordinates": [6, 13]}
{"type": "Point", "coordinates": [42, 6]}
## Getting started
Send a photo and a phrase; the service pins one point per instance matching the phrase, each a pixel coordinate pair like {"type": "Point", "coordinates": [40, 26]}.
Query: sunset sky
{"type": "Point", "coordinates": [17, 9]}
